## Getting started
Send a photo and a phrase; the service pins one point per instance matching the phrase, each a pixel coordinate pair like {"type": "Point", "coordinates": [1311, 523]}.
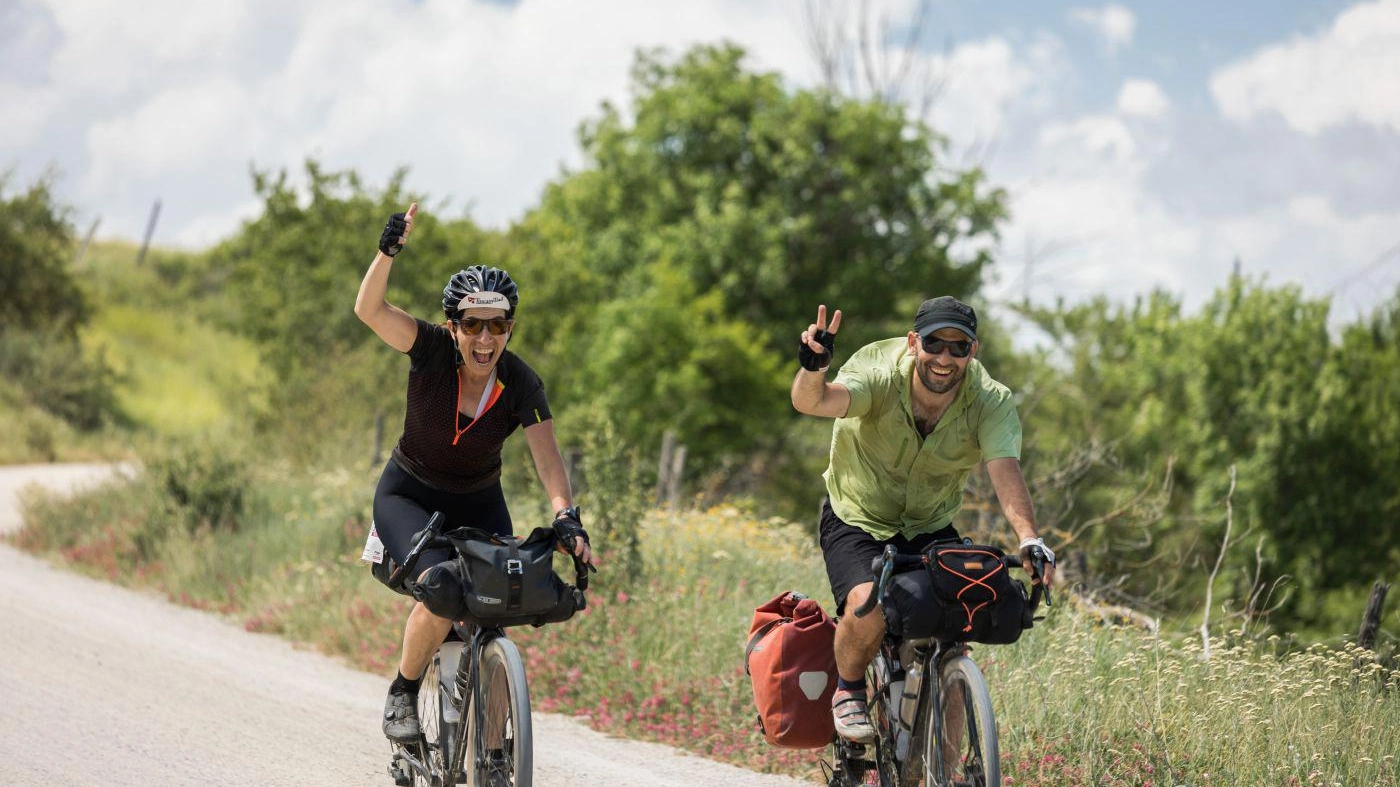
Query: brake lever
{"type": "Point", "coordinates": [1038, 565]}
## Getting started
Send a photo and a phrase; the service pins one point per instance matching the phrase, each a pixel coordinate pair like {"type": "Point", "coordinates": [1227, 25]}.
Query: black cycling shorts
{"type": "Point", "coordinates": [849, 551]}
{"type": "Point", "coordinates": [403, 504]}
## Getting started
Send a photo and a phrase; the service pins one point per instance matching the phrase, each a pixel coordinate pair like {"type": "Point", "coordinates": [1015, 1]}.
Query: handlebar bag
{"type": "Point", "coordinates": [912, 609]}
{"type": "Point", "coordinates": [979, 600]}
{"type": "Point", "coordinates": [510, 581]}
{"type": "Point", "coordinates": [791, 662]}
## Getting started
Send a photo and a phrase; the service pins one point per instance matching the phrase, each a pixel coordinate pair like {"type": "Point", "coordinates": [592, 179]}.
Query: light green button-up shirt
{"type": "Point", "coordinates": [886, 479]}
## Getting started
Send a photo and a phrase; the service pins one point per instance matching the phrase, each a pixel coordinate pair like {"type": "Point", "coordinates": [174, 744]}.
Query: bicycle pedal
{"type": "Point", "coordinates": [401, 775]}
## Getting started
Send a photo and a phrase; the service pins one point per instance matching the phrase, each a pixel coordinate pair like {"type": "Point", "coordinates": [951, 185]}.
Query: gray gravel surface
{"type": "Point", "coordinates": [101, 685]}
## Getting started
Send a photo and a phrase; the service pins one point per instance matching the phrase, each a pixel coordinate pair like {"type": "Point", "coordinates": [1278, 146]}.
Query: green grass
{"type": "Point", "coordinates": [178, 376]}
{"type": "Point", "coordinates": [658, 656]}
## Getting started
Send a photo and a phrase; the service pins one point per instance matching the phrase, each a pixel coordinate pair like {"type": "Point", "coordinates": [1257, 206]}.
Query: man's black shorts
{"type": "Point", "coordinates": [849, 552]}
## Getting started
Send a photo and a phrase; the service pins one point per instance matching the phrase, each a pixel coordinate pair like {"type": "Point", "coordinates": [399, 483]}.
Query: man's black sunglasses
{"type": "Point", "coordinates": [957, 349]}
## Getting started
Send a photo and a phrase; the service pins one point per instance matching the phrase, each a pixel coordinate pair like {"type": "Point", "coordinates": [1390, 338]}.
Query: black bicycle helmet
{"type": "Point", "coordinates": [478, 278]}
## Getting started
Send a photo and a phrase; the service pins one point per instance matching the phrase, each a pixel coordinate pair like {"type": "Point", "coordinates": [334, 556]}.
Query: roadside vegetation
{"type": "Point", "coordinates": [658, 654]}
{"type": "Point", "coordinates": [1231, 467]}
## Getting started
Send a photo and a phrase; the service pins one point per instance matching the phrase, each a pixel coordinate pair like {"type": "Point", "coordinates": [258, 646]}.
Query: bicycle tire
{"type": "Point", "coordinates": [503, 747]}
{"type": "Point", "coordinates": [436, 733]}
{"type": "Point", "coordinates": [973, 735]}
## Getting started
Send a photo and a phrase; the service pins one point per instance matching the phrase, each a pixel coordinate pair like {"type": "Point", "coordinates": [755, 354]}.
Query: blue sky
{"type": "Point", "coordinates": [1144, 145]}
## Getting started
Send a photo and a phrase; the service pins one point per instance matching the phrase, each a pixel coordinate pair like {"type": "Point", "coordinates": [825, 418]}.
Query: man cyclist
{"type": "Point", "coordinates": [914, 416]}
{"type": "Point", "coordinates": [466, 395]}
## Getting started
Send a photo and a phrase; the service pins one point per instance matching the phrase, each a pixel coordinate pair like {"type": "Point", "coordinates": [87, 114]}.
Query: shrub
{"type": "Point", "coordinates": [205, 482]}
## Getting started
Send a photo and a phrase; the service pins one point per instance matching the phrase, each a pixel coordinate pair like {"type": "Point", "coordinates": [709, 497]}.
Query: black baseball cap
{"type": "Point", "coordinates": [945, 311]}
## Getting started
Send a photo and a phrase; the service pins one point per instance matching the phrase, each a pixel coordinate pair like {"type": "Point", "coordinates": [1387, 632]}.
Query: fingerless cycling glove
{"type": "Point", "coordinates": [390, 240]}
{"type": "Point", "coordinates": [815, 362]}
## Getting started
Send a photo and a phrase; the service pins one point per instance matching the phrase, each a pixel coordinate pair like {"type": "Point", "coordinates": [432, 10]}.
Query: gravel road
{"type": "Point", "coordinates": [100, 685]}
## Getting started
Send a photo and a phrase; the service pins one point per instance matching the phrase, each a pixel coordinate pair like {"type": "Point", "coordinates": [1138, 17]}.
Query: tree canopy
{"type": "Point", "coordinates": [709, 222]}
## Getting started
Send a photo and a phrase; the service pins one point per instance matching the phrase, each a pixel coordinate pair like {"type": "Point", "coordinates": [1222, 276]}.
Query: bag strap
{"type": "Point", "coordinates": [758, 635]}
{"type": "Point", "coordinates": [515, 576]}
{"type": "Point", "coordinates": [972, 582]}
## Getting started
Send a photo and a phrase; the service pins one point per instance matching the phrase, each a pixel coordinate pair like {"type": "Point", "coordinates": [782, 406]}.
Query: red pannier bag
{"type": "Point", "coordinates": [791, 661]}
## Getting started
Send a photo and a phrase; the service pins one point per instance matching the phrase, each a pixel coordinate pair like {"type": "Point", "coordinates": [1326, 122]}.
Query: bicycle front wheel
{"type": "Point", "coordinates": [962, 751]}
{"type": "Point", "coordinates": [501, 743]}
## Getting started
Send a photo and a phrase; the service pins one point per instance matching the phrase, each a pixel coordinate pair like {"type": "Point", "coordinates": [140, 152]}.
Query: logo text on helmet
{"type": "Point", "coordinates": [483, 300]}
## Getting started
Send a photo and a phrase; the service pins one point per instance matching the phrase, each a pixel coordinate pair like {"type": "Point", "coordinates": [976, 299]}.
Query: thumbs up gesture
{"type": "Point", "coordinates": [395, 234]}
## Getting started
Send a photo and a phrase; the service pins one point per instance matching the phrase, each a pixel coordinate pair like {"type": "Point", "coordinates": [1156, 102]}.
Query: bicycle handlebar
{"type": "Point", "coordinates": [430, 537]}
{"type": "Point", "coordinates": [883, 568]}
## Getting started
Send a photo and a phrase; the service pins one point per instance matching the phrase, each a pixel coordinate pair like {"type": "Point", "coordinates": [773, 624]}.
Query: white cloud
{"type": "Point", "coordinates": [1094, 138]}
{"type": "Point", "coordinates": [1086, 223]}
{"type": "Point", "coordinates": [1112, 22]}
{"type": "Point", "coordinates": [982, 80]}
{"type": "Point", "coordinates": [480, 100]}
{"type": "Point", "coordinates": [1342, 75]}
{"type": "Point", "coordinates": [30, 111]}
{"type": "Point", "coordinates": [1142, 98]}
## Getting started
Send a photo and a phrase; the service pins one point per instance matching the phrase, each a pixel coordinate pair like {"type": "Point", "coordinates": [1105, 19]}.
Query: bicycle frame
{"type": "Point", "coordinates": [905, 734]}
{"type": "Point", "coordinates": [899, 746]}
{"type": "Point", "coordinates": [459, 688]}
{"type": "Point", "coordinates": [464, 687]}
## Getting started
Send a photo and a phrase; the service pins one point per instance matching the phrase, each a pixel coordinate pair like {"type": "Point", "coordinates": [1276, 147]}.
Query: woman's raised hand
{"type": "Point", "coordinates": [395, 234]}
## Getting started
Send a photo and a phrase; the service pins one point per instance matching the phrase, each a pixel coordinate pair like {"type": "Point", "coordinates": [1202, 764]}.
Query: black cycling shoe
{"type": "Point", "coordinates": [401, 717]}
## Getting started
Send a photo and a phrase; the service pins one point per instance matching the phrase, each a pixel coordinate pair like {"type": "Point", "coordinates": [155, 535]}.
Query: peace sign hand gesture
{"type": "Point", "coordinates": [818, 342]}
{"type": "Point", "coordinates": [395, 234]}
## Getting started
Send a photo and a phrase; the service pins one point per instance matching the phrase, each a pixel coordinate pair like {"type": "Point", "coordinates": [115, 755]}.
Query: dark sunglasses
{"type": "Point", "coordinates": [957, 349]}
{"type": "Point", "coordinates": [496, 325]}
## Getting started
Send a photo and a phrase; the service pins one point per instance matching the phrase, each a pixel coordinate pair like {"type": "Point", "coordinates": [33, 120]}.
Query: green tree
{"type": "Point", "coordinates": [43, 306]}
{"type": "Point", "coordinates": [767, 201]}
{"type": "Point", "coordinates": [1337, 504]}
{"type": "Point", "coordinates": [36, 251]}
{"type": "Point", "coordinates": [292, 275]}
{"type": "Point", "coordinates": [1254, 381]}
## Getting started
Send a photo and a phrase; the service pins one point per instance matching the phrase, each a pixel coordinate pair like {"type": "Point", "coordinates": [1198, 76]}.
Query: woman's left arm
{"type": "Point", "coordinates": [549, 464]}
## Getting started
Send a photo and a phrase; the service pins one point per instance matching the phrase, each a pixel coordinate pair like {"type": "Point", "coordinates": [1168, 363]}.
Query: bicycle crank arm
{"type": "Point", "coordinates": [402, 755]}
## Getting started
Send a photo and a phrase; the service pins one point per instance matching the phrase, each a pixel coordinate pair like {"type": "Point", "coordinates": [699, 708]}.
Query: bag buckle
{"type": "Point", "coordinates": [515, 567]}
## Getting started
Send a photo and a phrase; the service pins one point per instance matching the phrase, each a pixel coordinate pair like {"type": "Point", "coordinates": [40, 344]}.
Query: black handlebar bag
{"type": "Point", "coordinates": [510, 581]}
{"type": "Point", "coordinates": [964, 594]}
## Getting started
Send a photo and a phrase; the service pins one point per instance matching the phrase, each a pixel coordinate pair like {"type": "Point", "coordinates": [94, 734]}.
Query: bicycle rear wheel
{"type": "Point", "coordinates": [964, 752]}
{"type": "Point", "coordinates": [502, 747]}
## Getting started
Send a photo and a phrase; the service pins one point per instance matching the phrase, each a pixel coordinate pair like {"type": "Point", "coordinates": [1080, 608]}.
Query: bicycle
{"type": "Point", "coordinates": [938, 733]}
{"type": "Point", "coordinates": [483, 709]}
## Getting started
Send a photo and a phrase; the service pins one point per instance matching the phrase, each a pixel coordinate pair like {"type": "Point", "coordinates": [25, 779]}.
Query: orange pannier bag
{"type": "Point", "coordinates": [791, 663]}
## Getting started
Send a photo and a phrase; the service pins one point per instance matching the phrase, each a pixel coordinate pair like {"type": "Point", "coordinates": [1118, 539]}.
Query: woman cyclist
{"type": "Point", "coordinates": [466, 395]}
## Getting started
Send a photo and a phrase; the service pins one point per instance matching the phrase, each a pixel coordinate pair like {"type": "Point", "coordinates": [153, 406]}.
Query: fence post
{"type": "Point", "coordinates": [87, 241]}
{"type": "Point", "coordinates": [573, 459]}
{"type": "Point", "coordinates": [1371, 620]}
{"type": "Point", "coordinates": [673, 482]}
{"type": "Point", "coordinates": [150, 230]}
{"type": "Point", "coordinates": [378, 437]}
{"type": "Point", "coordinates": [663, 468]}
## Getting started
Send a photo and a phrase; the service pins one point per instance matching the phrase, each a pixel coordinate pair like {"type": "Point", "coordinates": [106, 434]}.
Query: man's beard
{"type": "Point", "coordinates": [940, 385]}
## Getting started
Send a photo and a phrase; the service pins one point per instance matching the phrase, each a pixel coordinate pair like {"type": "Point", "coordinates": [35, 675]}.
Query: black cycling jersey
{"type": "Point", "coordinates": [448, 451]}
